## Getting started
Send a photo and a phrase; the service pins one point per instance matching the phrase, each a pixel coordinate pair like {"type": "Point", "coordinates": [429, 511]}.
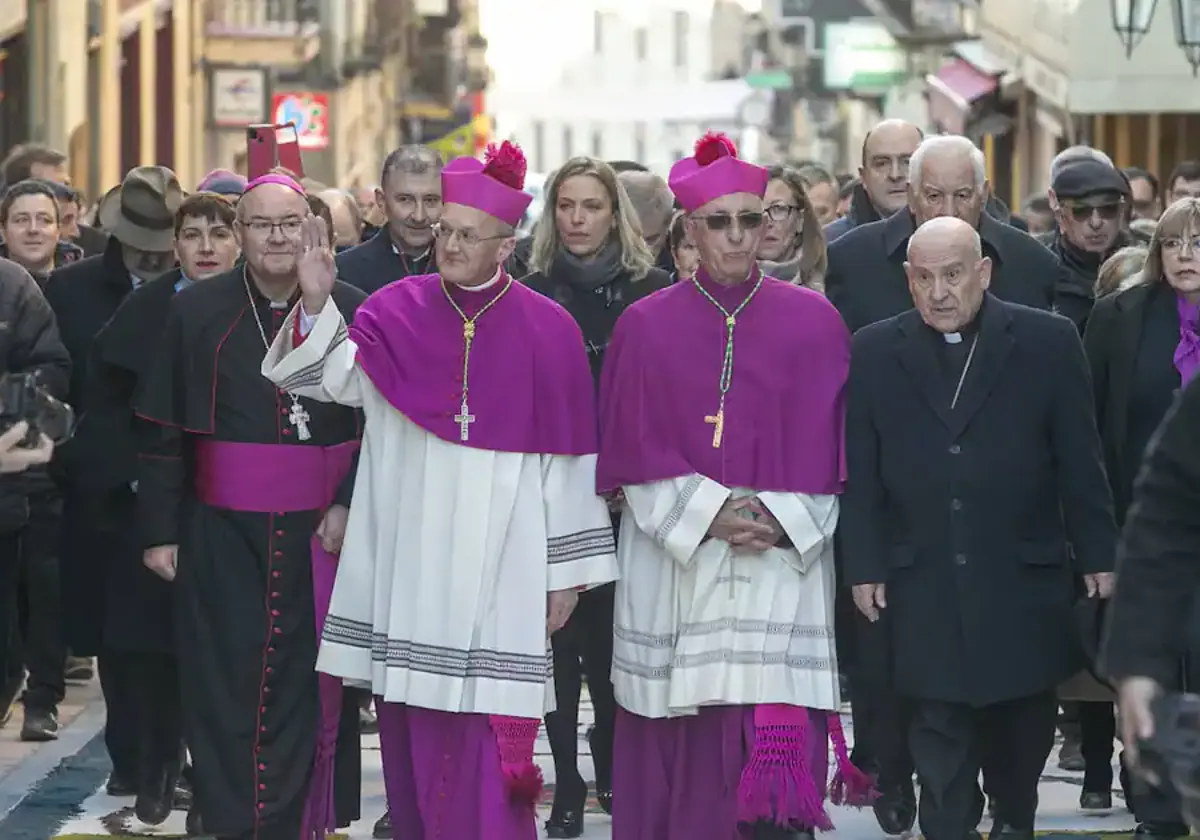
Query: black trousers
{"type": "Point", "coordinates": [11, 667]}
{"type": "Point", "coordinates": [949, 741]}
{"type": "Point", "coordinates": [144, 729]}
{"type": "Point", "coordinates": [1097, 733]}
{"type": "Point", "coordinates": [583, 647]}
{"type": "Point", "coordinates": [40, 643]}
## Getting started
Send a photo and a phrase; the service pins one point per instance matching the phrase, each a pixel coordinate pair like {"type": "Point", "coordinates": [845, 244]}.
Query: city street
{"type": "Point", "coordinates": [54, 790]}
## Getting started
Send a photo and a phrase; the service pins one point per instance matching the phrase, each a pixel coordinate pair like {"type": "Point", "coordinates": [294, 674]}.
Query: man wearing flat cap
{"type": "Point", "coordinates": [1091, 202]}
{"type": "Point", "coordinates": [139, 216]}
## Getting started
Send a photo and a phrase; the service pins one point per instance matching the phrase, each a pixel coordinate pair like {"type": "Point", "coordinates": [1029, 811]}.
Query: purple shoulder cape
{"type": "Point", "coordinates": [530, 385]}
{"type": "Point", "coordinates": [784, 426]}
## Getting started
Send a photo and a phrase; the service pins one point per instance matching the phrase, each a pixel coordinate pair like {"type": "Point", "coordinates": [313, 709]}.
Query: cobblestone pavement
{"type": "Point", "coordinates": [54, 790]}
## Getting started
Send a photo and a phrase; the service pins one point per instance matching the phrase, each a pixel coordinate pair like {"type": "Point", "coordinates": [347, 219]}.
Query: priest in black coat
{"type": "Point", "coordinates": [973, 463]}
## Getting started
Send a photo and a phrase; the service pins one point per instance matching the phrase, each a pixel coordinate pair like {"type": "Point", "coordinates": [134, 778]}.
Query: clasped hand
{"type": "Point", "coordinates": [747, 534]}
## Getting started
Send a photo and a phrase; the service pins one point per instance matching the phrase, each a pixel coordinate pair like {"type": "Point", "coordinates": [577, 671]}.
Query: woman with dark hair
{"type": "Point", "coordinates": [1143, 346]}
{"type": "Point", "coordinates": [589, 255]}
{"type": "Point", "coordinates": [793, 244]}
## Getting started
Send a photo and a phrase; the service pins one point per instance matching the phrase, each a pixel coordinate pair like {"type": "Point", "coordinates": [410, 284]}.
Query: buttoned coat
{"type": "Point", "coordinates": [966, 514]}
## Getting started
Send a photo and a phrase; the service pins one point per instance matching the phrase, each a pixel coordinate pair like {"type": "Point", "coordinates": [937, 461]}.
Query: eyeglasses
{"type": "Point", "coordinates": [467, 237]}
{"type": "Point", "coordinates": [1083, 212]}
{"type": "Point", "coordinates": [723, 221]}
{"type": "Point", "coordinates": [781, 212]}
{"type": "Point", "coordinates": [289, 227]}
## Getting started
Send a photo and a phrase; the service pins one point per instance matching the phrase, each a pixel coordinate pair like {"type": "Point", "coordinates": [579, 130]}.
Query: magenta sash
{"type": "Point", "coordinates": [266, 478]}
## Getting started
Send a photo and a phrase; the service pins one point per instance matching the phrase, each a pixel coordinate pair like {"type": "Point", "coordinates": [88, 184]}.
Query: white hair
{"type": "Point", "coordinates": [1073, 153]}
{"type": "Point", "coordinates": [950, 144]}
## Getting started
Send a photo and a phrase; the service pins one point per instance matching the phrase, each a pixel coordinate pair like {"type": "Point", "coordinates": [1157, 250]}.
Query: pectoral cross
{"type": "Point", "coordinates": [298, 417]}
{"type": "Point", "coordinates": [464, 419]}
{"type": "Point", "coordinates": [718, 422]}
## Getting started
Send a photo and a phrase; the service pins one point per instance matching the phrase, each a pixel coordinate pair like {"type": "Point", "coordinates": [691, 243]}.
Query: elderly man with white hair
{"type": "Point", "coordinates": [866, 282]}
{"type": "Point", "coordinates": [973, 462]}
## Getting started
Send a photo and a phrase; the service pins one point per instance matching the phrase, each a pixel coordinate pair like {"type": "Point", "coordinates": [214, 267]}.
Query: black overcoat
{"type": "Point", "coordinates": [966, 515]}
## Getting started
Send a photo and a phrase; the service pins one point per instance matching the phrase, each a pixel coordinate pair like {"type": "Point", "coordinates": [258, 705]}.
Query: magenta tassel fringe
{"type": "Point", "coordinates": [850, 786]}
{"type": "Point", "coordinates": [515, 738]}
{"type": "Point", "coordinates": [777, 785]}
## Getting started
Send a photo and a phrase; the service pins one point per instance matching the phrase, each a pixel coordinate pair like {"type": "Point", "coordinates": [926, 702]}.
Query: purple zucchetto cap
{"type": "Point", "coordinates": [714, 170]}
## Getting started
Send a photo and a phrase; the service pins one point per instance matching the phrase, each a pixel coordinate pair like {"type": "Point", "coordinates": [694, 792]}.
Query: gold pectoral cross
{"type": "Point", "coordinates": [718, 423]}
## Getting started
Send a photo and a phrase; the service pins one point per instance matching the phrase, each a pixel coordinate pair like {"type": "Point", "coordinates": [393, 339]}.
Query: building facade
{"type": "Point", "coordinates": [1072, 83]}
{"type": "Point", "coordinates": [642, 88]}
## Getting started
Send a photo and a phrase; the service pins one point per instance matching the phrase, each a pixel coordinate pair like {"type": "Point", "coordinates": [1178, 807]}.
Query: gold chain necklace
{"type": "Point", "coordinates": [465, 418]}
{"type": "Point", "coordinates": [718, 420]}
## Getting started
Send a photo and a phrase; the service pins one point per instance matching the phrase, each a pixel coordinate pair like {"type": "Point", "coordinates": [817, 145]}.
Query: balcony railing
{"type": "Point", "coordinates": [263, 18]}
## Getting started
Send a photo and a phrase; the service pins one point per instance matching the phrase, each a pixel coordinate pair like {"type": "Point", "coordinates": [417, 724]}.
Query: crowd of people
{"type": "Point", "coordinates": [347, 462]}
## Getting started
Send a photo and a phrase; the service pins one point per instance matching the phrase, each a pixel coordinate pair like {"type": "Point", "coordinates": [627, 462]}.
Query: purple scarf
{"type": "Point", "coordinates": [1187, 353]}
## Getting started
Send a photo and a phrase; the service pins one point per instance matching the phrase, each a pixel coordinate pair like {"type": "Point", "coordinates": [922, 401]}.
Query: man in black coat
{"type": "Point", "coordinates": [866, 279]}
{"type": "Point", "coordinates": [973, 462]}
{"type": "Point", "coordinates": [84, 296]}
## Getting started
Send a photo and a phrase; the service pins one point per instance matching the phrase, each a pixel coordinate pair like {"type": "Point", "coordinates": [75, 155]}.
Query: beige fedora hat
{"type": "Point", "coordinates": [142, 213]}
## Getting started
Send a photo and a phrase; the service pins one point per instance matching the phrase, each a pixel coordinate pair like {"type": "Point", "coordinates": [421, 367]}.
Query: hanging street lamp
{"type": "Point", "coordinates": [1187, 31]}
{"type": "Point", "coordinates": [1131, 20]}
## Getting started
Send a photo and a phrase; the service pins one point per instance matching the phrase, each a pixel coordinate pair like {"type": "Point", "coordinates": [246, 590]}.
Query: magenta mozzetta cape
{"type": "Point", "coordinates": [784, 413]}
{"type": "Point", "coordinates": [531, 388]}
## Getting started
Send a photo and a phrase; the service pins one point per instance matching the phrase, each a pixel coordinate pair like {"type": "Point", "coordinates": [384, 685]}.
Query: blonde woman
{"type": "Point", "coordinates": [589, 255]}
{"type": "Point", "coordinates": [793, 244]}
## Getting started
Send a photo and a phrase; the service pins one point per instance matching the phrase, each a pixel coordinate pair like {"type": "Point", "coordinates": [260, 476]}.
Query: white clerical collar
{"type": "Point", "coordinates": [484, 286]}
{"type": "Point", "coordinates": [952, 338]}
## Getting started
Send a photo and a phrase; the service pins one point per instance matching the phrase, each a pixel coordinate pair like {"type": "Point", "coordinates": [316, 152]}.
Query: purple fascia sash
{"type": "Point", "coordinates": [273, 478]}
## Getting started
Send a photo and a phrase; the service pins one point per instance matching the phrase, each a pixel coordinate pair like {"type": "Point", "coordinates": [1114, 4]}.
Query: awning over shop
{"type": "Point", "coordinates": [953, 92]}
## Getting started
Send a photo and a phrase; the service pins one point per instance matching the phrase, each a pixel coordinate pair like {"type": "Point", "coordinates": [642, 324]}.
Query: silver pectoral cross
{"type": "Point", "coordinates": [464, 419]}
{"type": "Point", "coordinates": [299, 418]}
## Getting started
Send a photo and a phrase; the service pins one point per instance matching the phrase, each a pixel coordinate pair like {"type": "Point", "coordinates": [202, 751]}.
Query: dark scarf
{"type": "Point", "coordinates": [588, 275]}
{"type": "Point", "coordinates": [1085, 263]}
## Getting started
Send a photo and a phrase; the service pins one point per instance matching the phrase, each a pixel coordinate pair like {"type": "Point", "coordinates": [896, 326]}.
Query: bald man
{"type": "Point", "coordinates": [973, 463]}
{"type": "Point", "coordinates": [883, 176]}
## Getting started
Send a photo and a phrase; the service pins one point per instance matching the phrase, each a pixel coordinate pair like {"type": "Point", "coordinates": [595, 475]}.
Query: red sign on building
{"type": "Point", "coordinates": [310, 114]}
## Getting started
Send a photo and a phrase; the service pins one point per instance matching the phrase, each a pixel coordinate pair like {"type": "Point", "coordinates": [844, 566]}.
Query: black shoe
{"type": "Point", "coordinates": [120, 786]}
{"type": "Point", "coordinates": [604, 800]}
{"type": "Point", "coordinates": [565, 823]}
{"type": "Point", "coordinates": [40, 725]}
{"type": "Point", "coordinates": [383, 828]}
{"type": "Point", "coordinates": [194, 825]}
{"type": "Point", "coordinates": [156, 797]}
{"type": "Point", "coordinates": [79, 669]}
{"type": "Point", "coordinates": [1070, 756]}
{"type": "Point", "coordinates": [1096, 800]}
{"type": "Point", "coordinates": [1164, 831]}
{"type": "Point", "coordinates": [896, 810]}
{"type": "Point", "coordinates": [1007, 832]}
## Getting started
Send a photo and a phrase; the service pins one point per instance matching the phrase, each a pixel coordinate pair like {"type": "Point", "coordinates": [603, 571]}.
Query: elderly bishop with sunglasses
{"type": "Point", "coordinates": [721, 413]}
{"type": "Point", "coordinates": [475, 520]}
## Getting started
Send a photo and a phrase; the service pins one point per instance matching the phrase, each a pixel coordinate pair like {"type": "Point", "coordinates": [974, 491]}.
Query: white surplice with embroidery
{"type": "Point", "coordinates": [440, 595]}
{"type": "Point", "coordinates": [697, 625]}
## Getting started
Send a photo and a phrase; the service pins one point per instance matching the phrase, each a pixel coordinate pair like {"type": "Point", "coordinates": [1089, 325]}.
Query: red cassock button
{"type": "Point", "coordinates": [275, 613]}
{"type": "Point", "coordinates": [287, 431]}
{"type": "Point", "coordinates": [275, 573]}
{"type": "Point", "coordinates": [262, 767]}
{"type": "Point", "coordinates": [278, 553]}
{"type": "Point", "coordinates": [262, 787]}
{"type": "Point", "coordinates": [279, 533]}
{"type": "Point", "coordinates": [277, 630]}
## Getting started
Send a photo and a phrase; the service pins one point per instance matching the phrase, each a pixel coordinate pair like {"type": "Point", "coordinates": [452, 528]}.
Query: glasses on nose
{"type": "Point", "coordinates": [724, 221]}
{"type": "Point", "coordinates": [466, 237]}
{"type": "Point", "coordinates": [1083, 212]}
{"type": "Point", "coordinates": [265, 227]}
{"type": "Point", "coordinates": [781, 212]}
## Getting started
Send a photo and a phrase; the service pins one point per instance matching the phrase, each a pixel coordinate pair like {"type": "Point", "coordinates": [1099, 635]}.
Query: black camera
{"type": "Point", "coordinates": [21, 398]}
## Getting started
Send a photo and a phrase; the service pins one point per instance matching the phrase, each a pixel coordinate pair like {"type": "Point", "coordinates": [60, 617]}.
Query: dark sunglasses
{"type": "Point", "coordinates": [1083, 212]}
{"type": "Point", "coordinates": [722, 221]}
